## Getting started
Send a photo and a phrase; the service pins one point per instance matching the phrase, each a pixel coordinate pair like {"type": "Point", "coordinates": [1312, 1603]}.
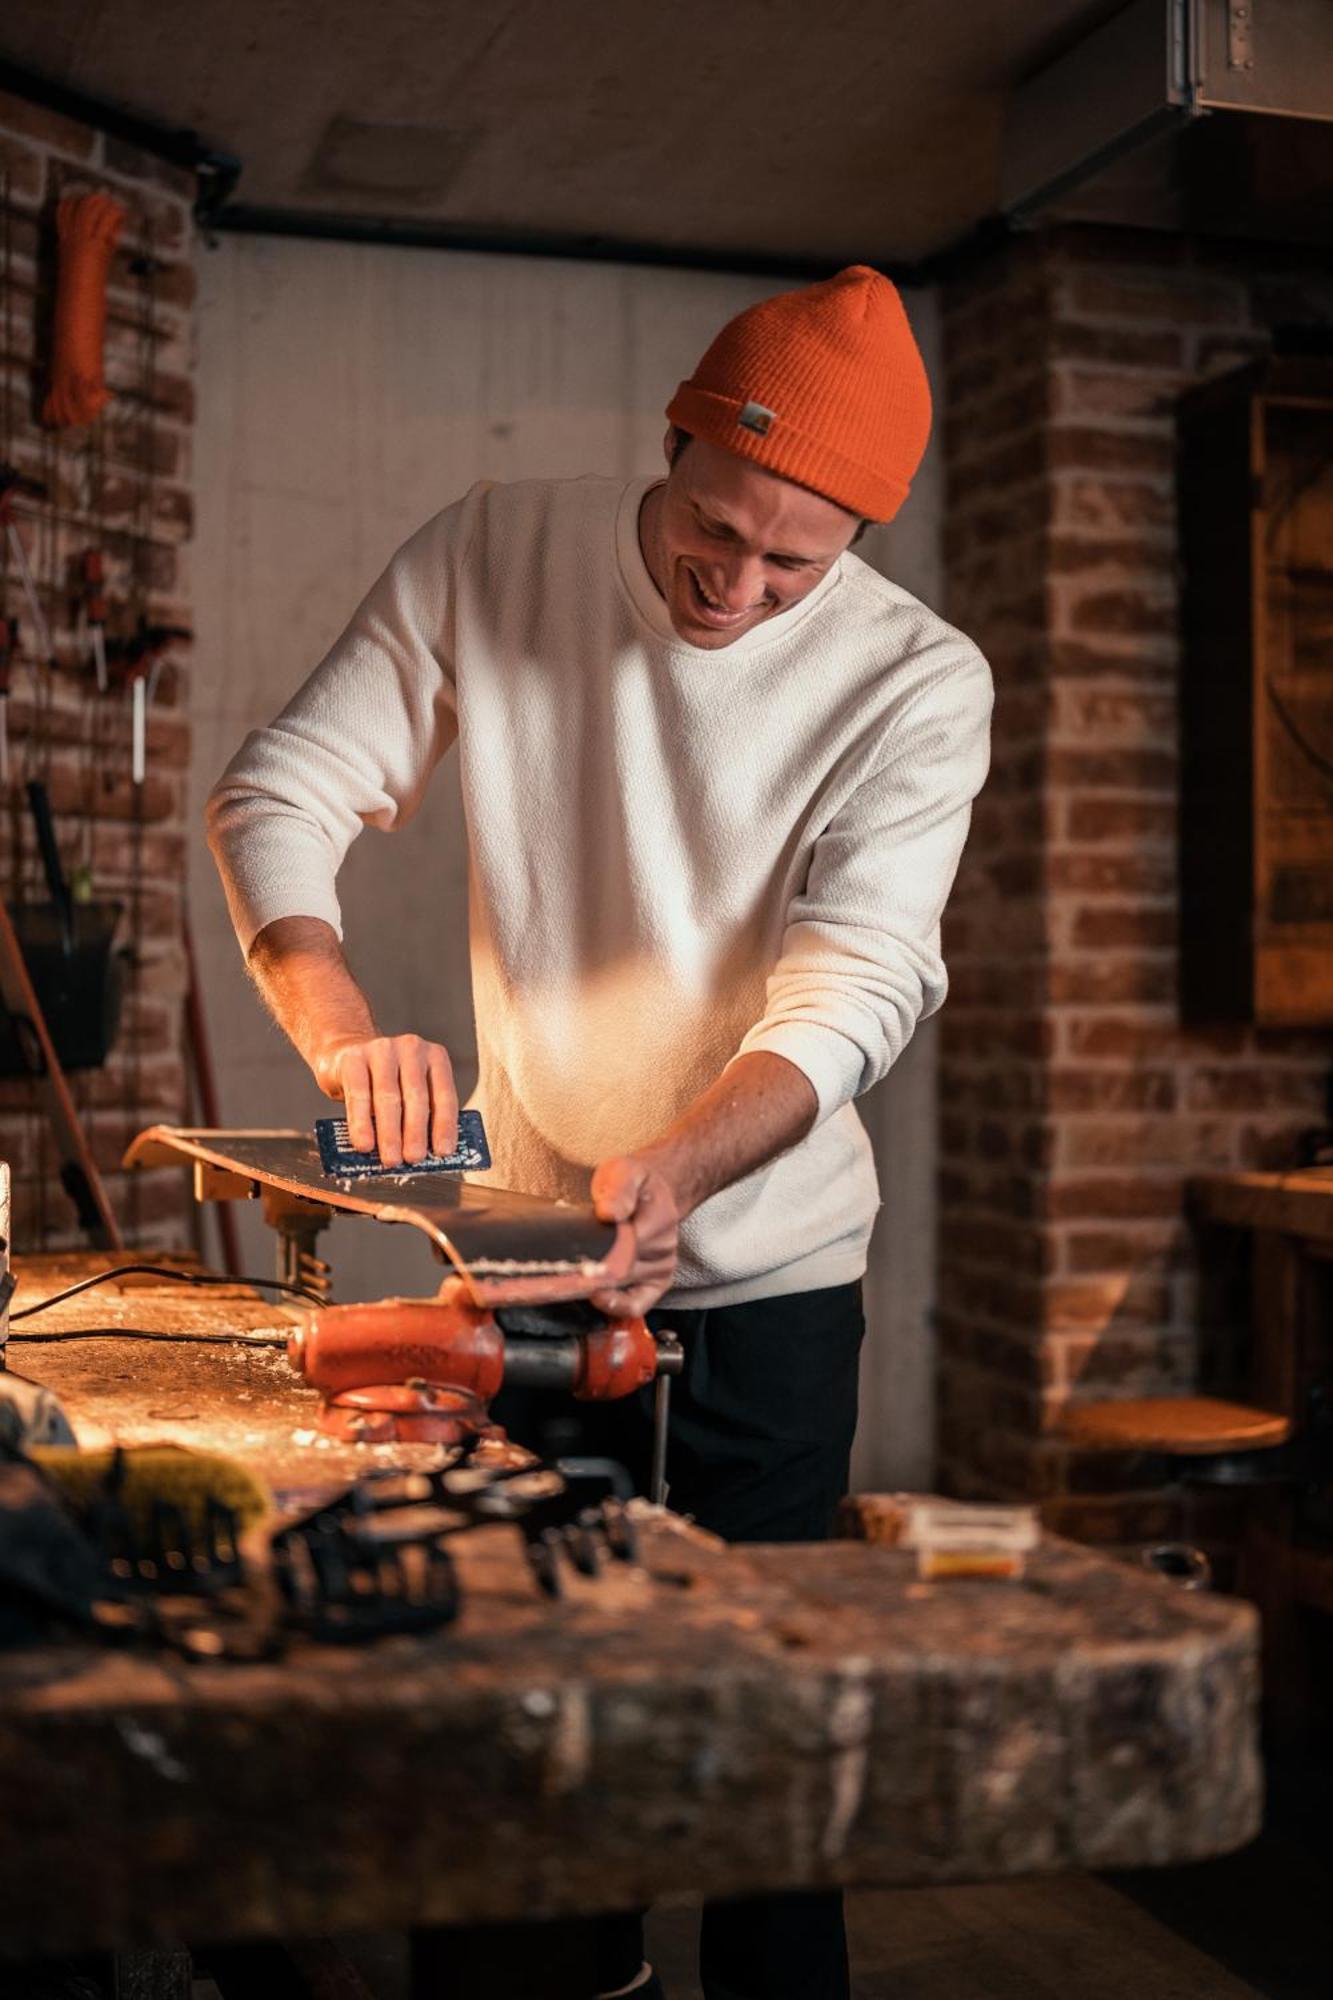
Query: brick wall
{"type": "Point", "coordinates": [122, 484]}
{"type": "Point", "coordinates": [1074, 1106]}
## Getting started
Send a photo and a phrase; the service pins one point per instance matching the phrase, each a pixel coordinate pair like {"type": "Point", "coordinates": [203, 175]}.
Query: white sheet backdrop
{"type": "Point", "coordinates": [345, 394]}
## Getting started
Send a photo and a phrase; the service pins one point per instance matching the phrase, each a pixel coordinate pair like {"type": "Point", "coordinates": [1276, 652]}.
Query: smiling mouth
{"type": "Point", "coordinates": [710, 612]}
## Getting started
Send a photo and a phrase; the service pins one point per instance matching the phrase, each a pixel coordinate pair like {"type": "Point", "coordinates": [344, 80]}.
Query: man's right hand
{"type": "Point", "coordinates": [398, 1091]}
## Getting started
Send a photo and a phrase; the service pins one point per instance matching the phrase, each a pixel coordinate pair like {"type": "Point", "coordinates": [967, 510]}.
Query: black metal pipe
{"type": "Point", "coordinates": [39, 802]}
{"type": "Point", "coordinates": [217, 170]}
{"type": "Point", "coordinates": [323, 225]}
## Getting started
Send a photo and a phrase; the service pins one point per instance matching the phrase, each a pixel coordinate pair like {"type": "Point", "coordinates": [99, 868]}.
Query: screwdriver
{"type": "Point", "coordinates": [12, 482]}
{"type": "Point", "coordinates": [92, 569]}
{"type": "Point", "coordinates": [139, 662]}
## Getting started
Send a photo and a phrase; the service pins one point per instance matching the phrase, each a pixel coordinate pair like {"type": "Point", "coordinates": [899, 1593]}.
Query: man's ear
{"type": "Point", "coordinates": [669, 444]}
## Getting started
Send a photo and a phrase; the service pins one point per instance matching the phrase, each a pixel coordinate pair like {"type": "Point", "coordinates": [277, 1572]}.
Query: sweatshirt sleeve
{"type": "Point", "coordinates": [860, 961]}
{"type": "Point", "coordinates": [354, 747]}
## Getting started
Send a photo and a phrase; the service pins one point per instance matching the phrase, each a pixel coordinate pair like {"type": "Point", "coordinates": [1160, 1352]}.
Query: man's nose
{"type": "Point", "coordinates": [742, 582]}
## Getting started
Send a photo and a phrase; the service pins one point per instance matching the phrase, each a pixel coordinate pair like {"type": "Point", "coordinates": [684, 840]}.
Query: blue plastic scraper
{"type": "Point", "coordinates": [337, 1157]}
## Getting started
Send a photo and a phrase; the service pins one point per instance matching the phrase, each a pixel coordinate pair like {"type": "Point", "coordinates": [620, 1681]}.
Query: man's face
{"type": "Point", "coordinates": [730, 544]}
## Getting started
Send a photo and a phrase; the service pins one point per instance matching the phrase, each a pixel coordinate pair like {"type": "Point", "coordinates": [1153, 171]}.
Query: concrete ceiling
{"type": "Point", "coordinates": [821, 130]}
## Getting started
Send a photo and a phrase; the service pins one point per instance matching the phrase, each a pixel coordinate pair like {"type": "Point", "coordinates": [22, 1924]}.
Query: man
{"type": "Point", "coordinates": [717, 775]}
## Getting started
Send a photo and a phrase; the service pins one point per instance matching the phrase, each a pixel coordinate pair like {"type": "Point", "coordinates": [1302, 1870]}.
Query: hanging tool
{"type": "Point", "coordinates": [87, 227]}
{"type": "Point", "coordinates": [92, 576]}
{"type": "Point", "coordinates": [78, 1170]}
{"type": "Point", "coordinates": [9, 637]}
{"type": "Point", "coordinates": [39, 804]}
{"type": "Point", "coordinates": [139, 728]}
{"type": "Point", "coordinates": [14, 482]}
{"type": "Point", "coordinates": [137, 662]}
{"type": "Point", "coordinates": [69, 949]}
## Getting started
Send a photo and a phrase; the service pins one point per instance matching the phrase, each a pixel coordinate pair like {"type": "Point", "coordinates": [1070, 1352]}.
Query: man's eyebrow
{"type": "Point", "coordinates": [708, 520]}
{"type": "Point", "coordinates": [714, 521]}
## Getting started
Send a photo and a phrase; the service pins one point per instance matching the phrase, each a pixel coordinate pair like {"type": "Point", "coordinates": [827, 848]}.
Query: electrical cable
{"type": "Point", "coordinates": [143, 1333]}
{"type": "Point", "coordinates": [179, 1277]}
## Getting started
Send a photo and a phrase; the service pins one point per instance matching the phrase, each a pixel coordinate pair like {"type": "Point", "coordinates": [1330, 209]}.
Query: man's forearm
{"type": "Point", "coordinates": [398, 1089]}
{"type": "Point", "coordinates": [759, 1106]}
{"type": "Point", "coordinates": [298, 965]}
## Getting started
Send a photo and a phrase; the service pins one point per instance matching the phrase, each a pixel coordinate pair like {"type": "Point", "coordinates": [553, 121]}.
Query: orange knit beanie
{"type": "Point", "coordinates": [824, 386]}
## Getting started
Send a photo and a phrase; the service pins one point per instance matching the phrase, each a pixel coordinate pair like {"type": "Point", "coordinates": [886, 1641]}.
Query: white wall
{"type": "Point", "coordinates": [345, 394]}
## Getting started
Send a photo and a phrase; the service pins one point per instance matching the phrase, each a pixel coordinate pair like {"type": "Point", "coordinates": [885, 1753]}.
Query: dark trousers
{"type": "Point", "coordinates": [761, 1436]}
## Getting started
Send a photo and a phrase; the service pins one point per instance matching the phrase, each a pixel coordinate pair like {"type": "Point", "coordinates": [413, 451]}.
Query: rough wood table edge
{"type": "Point", "coordinates": [813, 1749]}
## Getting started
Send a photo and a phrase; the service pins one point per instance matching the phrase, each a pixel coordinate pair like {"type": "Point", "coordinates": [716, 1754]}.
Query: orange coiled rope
{"type": "Point", "coordinates": [88, 226]}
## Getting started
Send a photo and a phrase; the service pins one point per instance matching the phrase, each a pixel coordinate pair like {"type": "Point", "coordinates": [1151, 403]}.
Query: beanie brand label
{"type": "Point", "coordinates": [754, 417]}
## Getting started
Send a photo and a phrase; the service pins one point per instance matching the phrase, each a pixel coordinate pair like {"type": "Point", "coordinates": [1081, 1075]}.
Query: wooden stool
{"type": "Point", "coordinates": [1177, 1426]}
{"type": "Point", "coordinates": [1208, 1442]}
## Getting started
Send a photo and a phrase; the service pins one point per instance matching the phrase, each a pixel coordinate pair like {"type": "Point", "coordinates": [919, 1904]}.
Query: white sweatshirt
{"type": "Point", "coordinates": [677, 854]}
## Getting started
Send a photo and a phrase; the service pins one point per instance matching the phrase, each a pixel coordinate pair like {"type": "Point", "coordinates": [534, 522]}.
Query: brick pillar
{"type": "Point", "coordinates": [1073, 1105]}
{"type": "Point", "coordinates": [123, 484]}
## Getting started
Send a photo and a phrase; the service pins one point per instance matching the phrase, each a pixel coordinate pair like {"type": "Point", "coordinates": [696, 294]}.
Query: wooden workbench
{"type": "Point", "coordinates": [712, 1720]}
{"type": "Point", "coordinates": [1297, 1203]}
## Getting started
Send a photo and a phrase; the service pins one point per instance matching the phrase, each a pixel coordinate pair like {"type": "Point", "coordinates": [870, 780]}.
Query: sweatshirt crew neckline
{"type": "Point", "coordinates": [651, 606]}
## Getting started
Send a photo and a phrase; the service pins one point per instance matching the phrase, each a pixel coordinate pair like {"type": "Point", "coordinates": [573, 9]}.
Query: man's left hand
{"type": "Point", "coordinates": [632, 1190]}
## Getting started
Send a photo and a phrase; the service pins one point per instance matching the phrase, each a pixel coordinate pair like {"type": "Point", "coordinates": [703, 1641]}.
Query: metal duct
{"type": "Point", "coordinates": [1158, 65]}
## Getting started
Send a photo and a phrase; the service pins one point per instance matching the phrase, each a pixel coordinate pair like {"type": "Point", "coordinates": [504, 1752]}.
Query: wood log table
{"type": "Point", "coordinates": [709, 1720]}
